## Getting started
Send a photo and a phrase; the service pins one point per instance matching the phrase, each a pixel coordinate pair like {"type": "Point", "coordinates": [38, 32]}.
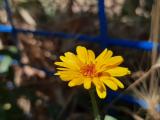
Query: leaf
{"type": "Point", "coordinates": [5, 64]}
{"type": "Point", "coordinates": [108, 117]}
{"type": "Point", "coordinates": [13, 49]}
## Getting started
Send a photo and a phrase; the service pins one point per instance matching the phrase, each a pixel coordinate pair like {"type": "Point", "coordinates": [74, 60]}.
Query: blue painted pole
{"type": "Point", "coordinates": [144, 45]}
{"type": "Point", "coordinates": [9, 13]}
{"type": "Point", "coordinates": [6, 28]}
{"type": "Point", "coordinates": [136, 44]}
{"type": "Point", "coordinates": [10, 18]}
{"type": "Point", "coordinates": [103, 37]}
{"type": "Point", "coordinates": [102, 18]}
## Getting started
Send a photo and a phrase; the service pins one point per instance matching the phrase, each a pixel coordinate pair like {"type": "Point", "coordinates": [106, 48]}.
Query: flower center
{"type": "Point", "coordinates": [88, 70]}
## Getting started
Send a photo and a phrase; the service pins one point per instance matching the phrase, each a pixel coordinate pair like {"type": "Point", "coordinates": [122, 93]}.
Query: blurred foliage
{"type": "Point", "coordinates": [108, 117]}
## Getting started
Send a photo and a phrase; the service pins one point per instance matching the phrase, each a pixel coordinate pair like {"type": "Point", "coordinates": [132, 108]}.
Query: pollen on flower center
{"type": "Point", "coordinates": [88, 70]}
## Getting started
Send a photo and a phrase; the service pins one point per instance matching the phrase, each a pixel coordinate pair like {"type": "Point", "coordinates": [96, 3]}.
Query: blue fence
{"type": "Point", "coordinates": [103, 39]}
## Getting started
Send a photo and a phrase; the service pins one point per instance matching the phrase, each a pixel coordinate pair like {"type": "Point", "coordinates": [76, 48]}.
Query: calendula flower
{"type": "Point", "coordinates": [84, 68]}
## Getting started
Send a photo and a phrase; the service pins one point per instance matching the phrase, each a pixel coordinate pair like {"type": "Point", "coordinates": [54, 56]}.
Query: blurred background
{"type": "Point", "coordinates": [28, 88]}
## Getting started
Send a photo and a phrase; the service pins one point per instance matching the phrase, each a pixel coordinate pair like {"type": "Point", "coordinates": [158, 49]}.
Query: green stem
{"type": "Point", "coordinates": [94, 105]}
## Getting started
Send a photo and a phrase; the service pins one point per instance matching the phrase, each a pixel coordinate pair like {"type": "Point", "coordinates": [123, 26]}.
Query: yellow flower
{"type": "Point", "coordinates": [84, 68]}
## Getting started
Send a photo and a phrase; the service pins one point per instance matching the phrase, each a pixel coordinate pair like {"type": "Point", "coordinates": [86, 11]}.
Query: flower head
{"type": "Point", "coordinates": [84, 68]}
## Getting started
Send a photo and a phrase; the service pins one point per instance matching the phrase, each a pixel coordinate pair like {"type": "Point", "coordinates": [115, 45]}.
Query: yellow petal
{"type": "Point", "coordinates": [68, 75]}
{"type": "Point", "coordinates": [100, 88]}
{"type": "Point", "coordinates": [105, 55]}
{"type": "Point", "coordinates": [61, 64]}
{"type": "Point", "coordinates": [66, 65]}
{"type": "Point", "coordinates": [101, 92]}
{"type": "Point", "coordinates": [118, 71]}
{"type": "Point", "coordinates": [97, 82]}
{"type": "Point", "coordinates": [69, 72]}
{"type": "Point", "coordinates": [82, 54]}
{"type": "Point", "coordinates": [87, 83]}
{"type": "Point", "coordinates": [75, 82]}
{"type": "Point", "coordinates": [109, 83]}
{"type": "Point", "coordinates": [56, 73]}
{"type": "Point", "coordinates": [91, 56]}
{"type": "Point", "coordinates": [70, 55]}
{"type": "Point", "coordinates": [119, 83]}
{"type": "Point", "coordinates": [62, 69]}
{"type": "Point", "coordinates": [116, 60]}
{"type": "Point", "coordinates": [102, 55]}
{"type": "Point", "coordinates": [73, 57]}
{"type": "Point", "coordinates": [70, 62]}
{"type": "Point", "coordinates": [65, 78]}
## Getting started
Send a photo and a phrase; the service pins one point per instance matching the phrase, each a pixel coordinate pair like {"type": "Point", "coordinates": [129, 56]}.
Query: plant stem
{"type": "Point", "coordinates": [154, 36]}
{"type": "Point", "coordinates": [94, 105]}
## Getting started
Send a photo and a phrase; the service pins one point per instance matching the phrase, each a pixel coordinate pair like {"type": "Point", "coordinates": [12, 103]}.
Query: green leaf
{"type": "Point", "coordinates": [5, 64]}
{"type": "Point", "coordinates": [108, 117]}
{"type": "Point", "coordinates": [13, 49]}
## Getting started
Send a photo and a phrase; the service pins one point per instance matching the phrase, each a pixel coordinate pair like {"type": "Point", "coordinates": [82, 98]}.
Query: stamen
{"type": "Point", "coordinates": [88, 70]}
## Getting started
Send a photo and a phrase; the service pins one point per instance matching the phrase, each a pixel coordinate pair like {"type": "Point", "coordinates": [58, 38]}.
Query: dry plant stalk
{"type": "Point", "coordinates": [150, 93]}
{"type": "Point", "coordinates": [154, 98]}
{"type": "Point", "coordinates": [154, 36]}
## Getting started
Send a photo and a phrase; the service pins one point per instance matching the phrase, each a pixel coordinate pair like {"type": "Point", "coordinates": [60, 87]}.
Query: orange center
{"type": "Point", "coordinates": [88, 70]}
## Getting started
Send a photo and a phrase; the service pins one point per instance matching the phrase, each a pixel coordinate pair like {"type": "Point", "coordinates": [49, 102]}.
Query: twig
{"type": "Point", "coordinates": [154, 67]}
{"type": "Point", "coordinates": [133, 85]}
